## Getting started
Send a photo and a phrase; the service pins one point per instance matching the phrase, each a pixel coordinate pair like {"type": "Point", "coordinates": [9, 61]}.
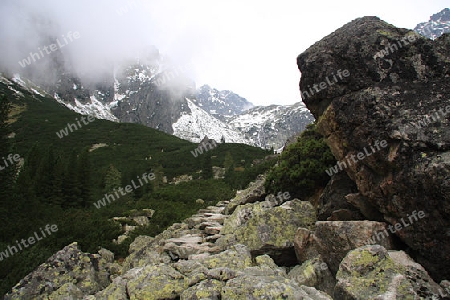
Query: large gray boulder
{"type": "Point", "coordinates": [397, 91]}
{"type": "Point", "coordinates": [332, 240]}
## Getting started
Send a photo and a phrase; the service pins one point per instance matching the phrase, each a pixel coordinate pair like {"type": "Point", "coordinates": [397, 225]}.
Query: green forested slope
{"type": "Point", "coordinates": [61, 179]}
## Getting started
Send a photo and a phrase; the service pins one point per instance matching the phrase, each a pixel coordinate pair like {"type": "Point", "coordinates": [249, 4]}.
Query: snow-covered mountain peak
{"type": "Point", "coordinates": [198, 123]}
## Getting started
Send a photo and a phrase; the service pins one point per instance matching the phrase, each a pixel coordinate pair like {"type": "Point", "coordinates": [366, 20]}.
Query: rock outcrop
{"type": "Point", "coordinates": [397, 91]}
{"type": "Point", "coordinates": [68, 273]}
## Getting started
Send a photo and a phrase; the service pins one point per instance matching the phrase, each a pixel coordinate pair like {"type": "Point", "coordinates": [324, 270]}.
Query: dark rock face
{"type": "Point", "coordinates": [153, 107]}
{"type": "Point", "coordinates": [400, 96]}
{"type": "Point", "coordinates": [332, 202]}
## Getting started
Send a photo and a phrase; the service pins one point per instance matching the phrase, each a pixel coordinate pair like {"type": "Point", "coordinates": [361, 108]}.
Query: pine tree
{"type": "Point", "coordinates": [8, 173]}
{"type": "Point", "coordinates": [25, 187]}
{"type": "Point", "coordinates": [228, 163]}
{"type": "Point", "coordinates": [71, 186]}
{"type": "Point", "coordinates": [57, 194]}
{"type": "Point", "coordinates": [45, 176]}
{"type": "Point", "coordinates": [84, 179]}
{"type": "Point", "coordinates": [159, 174]}
{"type": "Point", "coordinates": [207, 172]}
{"type": "Point", "coordinates": [113, 179]}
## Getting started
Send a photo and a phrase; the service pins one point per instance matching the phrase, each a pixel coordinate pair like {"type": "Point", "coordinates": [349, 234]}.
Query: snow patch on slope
{"type": "Point", "coordinates": [198, 123]}
{"type": "Point", "coordinates": [27, 85]}
{"type": "Point", "coordinates": [259, 116]}
{"type": "Point", "coordinates": [95, 108]}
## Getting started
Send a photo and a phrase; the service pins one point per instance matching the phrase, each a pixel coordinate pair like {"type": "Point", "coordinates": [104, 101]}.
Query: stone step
{"type": "Point", "coordinates": [203, 225]}
{"type": "Point", "coordinates": [213, 238]}
{"type": "Point", "coordinates": [213, 230]}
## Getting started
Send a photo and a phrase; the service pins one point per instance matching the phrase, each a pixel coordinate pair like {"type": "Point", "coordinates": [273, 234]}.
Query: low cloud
{"type": "Point", "coordinates": [111, 31]}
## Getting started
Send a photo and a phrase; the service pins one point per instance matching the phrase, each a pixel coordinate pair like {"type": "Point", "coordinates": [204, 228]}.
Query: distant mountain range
{"type": "Point", "coordinates": [437, 25]}
{"type": "Point", "coordinates": [154, 93]}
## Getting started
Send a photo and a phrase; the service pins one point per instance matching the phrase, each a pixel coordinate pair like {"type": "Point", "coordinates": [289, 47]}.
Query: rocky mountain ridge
{"type": "Point", "coordinates": [438, 24]}
{"type": "Point", "coordinates": [158, 94]}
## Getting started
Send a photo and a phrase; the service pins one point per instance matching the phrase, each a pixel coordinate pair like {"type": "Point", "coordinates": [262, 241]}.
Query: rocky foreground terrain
{"type": "Point", "coordinates": [259, 246]}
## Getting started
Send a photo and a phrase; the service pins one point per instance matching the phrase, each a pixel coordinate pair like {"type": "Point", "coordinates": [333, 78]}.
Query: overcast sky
{"type": "Point", "coordinates": [247, 46]}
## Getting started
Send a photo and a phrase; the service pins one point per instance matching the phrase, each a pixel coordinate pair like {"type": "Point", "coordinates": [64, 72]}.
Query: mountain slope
{"type": "Point", "coordinates": [198, 123]}
{"type": "Point", "coordinates": [438, 24]}
{"type": "Point", "coordinates": [55, 170]}
{"type": "Point", "coordinates": [153, 92]}
{"type": "Point", "coordinates": [221, 104]}
{"type": "Point", "coordinates": [270, 126]}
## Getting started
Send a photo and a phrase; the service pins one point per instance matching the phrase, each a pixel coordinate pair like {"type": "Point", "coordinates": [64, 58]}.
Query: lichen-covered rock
{"type": "Point", "coordinates": [267, 265]}
{"type": "Point", "coordinates": [193, 270]}
{"type": "Point", "coordinates": [268, 287]}
{"type": "Point", "coordinates": [400, 97]}
{"type": "Point", "coordinates": [332, 240]}
{"type": "Point", "coordinates": [422, 283]}
{"type": "Point", "coordinates": [208, 289]}
{"type": "Point", "coordinates": [268, 230]}
{"type": "Point", "coordinates": [157, 282]}
{"type": "Point", "coordinates": [67, 272]}
{"type": "Point", "coordinates": [224, 274]}
{"type": "Point", "coordinates": [263, 269]}
{"type": "Point", "coordinates": [336, 238]}
{"type": "Point", "coordinates": [117, 290]}
{"type": "Point", "coordinates": [143, 251]}
{"type": "Point", "coordinates": [255, 192]}
{"type": "Point", "coordinates": [370, 272]}
{"type": "Point", "coordinates": [67, 291]}
{"type": "Point", "coordinates": [238, 257]}
{"type": "Point", "coordinates": [314, 273]}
